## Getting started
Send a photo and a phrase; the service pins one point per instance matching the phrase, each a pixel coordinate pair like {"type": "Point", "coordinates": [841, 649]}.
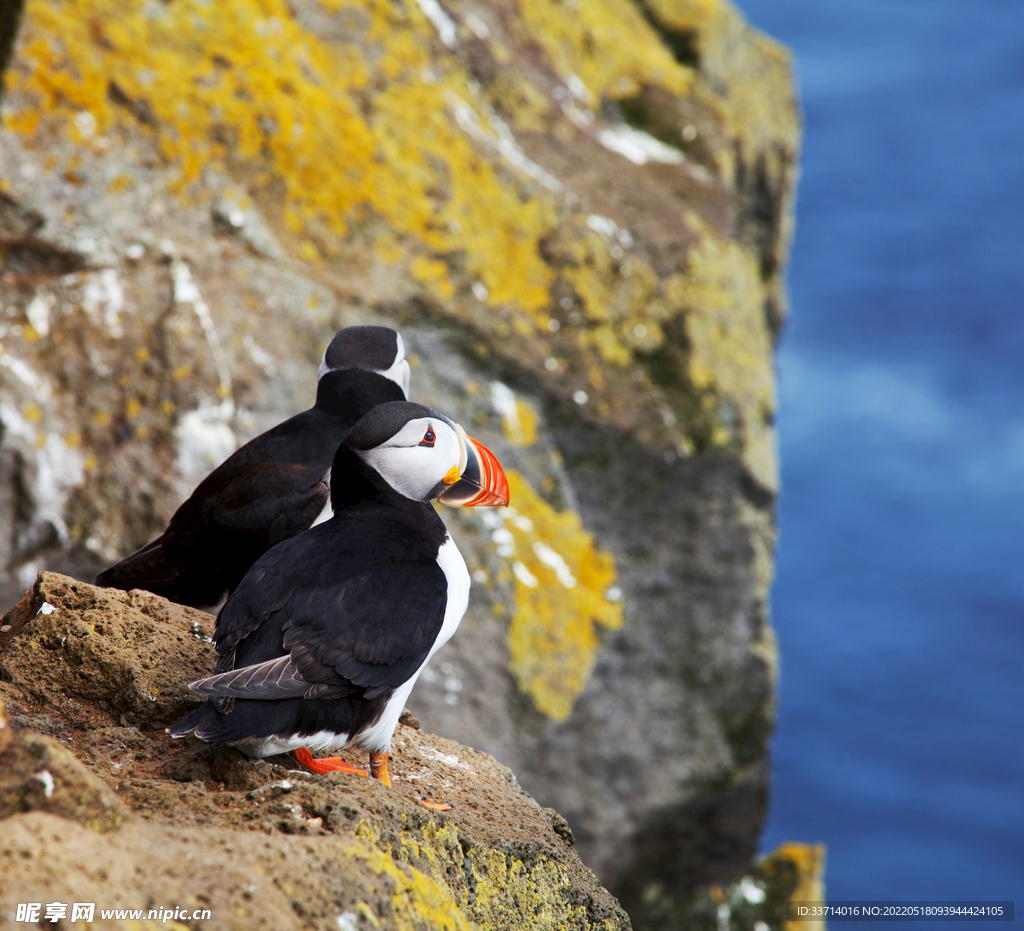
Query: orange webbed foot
{"type": "Point", "coordinates": [437, 806]}
{"type": "Point", "coordinates": [328, 764]}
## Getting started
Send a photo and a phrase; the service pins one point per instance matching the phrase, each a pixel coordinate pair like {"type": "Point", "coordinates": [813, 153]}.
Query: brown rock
{"type": "Point", "coordinates": [199, 826]}
{"type": "Point", "coordinates": [38, 774]}
{"type": "Point", "coordinates": [130, 653]}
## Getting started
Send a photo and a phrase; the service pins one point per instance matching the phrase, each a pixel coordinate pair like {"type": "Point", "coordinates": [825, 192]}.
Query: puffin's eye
{"type": "Point", "coordinates": [428, 437]}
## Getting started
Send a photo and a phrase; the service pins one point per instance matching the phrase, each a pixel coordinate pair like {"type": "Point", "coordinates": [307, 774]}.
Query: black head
{"type": "Point", "coordinates": [371, 348]}
{"type": "Point", "coordinates": [387, 420]}
{"type": "Point", "coordinates": [419, 454]}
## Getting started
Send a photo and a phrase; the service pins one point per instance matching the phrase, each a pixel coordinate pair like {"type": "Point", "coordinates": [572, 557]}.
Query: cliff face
{"type": "Point", "coordinates": [89, 685]}
{"type": "Point", "coordinates": [576, 213]}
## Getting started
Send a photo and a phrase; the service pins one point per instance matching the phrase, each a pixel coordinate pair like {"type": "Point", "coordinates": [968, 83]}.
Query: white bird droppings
{"type": "Point", "coordinates": [501, 139]}
{"type": "Point", "coordinates": [447, 758]}
{"type": "Point", "coordinates": [556, 562]}
{"type": "Point", "coordinates": [443, 23]}
{"type": "Point", "coordinates": [479, 27]}
{"type": "Point", "coordinates": [524, 575]}
{"type": "Point", "coordinates": [751, 891]}
{"type": "Point", "coordinates": [205, 440]}
{"type": "Point", "coordinates": [47, 780]}
{"type": "Point", "coordinates": [103, 293]}
{"type": "Point", "coordinates": [348, 921]}
{"type": "Point", "coordinates": [187, 292]}
{"type": "Point", "coordinates": [638, 147]}
{"type": "Point", "coordinates": [38, 312]}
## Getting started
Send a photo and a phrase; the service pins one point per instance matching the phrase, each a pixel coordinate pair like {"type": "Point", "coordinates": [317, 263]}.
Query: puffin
{"type": "Point", "coordinates": [273, 487]}
{"type": "Point", "coordinates": [323, 640]}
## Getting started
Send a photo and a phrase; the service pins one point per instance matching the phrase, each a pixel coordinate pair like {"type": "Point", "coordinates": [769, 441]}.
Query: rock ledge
{"type": "Point", "coordinates": [101, 805]}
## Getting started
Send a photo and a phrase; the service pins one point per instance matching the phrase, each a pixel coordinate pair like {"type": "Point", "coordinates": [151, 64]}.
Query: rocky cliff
{"type": "Point", "coordinates": [100, 805]}
{"type": "Point", "coordinates": [577, 213]}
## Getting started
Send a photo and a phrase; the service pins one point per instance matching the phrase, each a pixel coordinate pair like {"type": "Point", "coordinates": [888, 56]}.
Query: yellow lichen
{"type": "Point", "coordinates": [497, 878]}
{"type": "Point", "coordinates": [809, 860]}
{"type": "Point", "coordinates": [418, 900]}
{"type": "Point", "coordinates": [731, 345]}
{"type": "Point", "coordinates": [605, 44]}
{"type": "Point", "coordinates": [562, 588]}
{"type": "Point", "coordinates": [243, 79]}
{"type": "Point", "coordinates": [613, 301]}
{"type": "Point", "coordinates": [369, 126]}
{"type": "Point", "coordinates": [749, 71]}
{"type": "Point", "coordinates": [519, 424]}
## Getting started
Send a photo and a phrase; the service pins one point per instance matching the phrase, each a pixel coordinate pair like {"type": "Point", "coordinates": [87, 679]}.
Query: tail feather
{"type": "Point", "coordinates": [208, 724]}
{"type": "Point", "coordinates": [146, 566]}
{"type": "Point", "coordinates": [236, 722]}
{"type": "Point", "coordinates": [150, 569]}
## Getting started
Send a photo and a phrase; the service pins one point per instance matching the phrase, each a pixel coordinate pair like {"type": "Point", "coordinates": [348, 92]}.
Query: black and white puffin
{"type": "Point", "coordinates": [273, 487]}
{"type": "Point", "coordinates": [323, 640]}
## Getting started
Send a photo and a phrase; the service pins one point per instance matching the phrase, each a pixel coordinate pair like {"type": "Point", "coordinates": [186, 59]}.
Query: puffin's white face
{"type": "Point", "coordinates": [421, 459]}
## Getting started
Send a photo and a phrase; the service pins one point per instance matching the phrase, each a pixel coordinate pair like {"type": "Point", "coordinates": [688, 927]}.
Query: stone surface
{"type": "Point", "coordinates": [84, 704]}
{"type": "Point", "coordinates": [578, 216]}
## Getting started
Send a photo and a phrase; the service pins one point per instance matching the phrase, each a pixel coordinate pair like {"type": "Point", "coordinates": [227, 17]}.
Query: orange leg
{"type": "Point", "coordinates": [379, 767]}
{"type": "Point", "coordinates": [329, 764]}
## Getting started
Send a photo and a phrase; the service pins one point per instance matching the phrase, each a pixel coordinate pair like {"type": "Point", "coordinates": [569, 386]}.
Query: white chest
{"type": "Point", "coordinates": [326, 514]}
{"type": "Point", "coordinates": [454, 567]}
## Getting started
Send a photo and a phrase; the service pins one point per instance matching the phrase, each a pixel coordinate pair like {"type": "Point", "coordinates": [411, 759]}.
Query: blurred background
{"type": "Point", "coordinates": [899, 593]}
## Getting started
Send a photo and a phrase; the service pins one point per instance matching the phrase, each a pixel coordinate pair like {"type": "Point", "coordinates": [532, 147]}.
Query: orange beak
{"type": "Point", "coordinates": [482, 482]}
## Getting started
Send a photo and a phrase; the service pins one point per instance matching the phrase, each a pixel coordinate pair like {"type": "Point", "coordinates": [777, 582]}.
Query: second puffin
{"type": "Point", "coordinates": [323, 640]}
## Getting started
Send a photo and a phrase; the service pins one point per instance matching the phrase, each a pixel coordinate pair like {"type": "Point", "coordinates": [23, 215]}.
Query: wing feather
{"type": "Point", "coordinates": [272, 680]}
{"type": "Point", "coordinates": [316, 635]}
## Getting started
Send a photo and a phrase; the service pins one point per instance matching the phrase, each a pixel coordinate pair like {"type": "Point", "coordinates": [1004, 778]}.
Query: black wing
{"type": "Point", "coordinates": [236, 514]}
{"type": "Point", "coordinates": [367, 632]}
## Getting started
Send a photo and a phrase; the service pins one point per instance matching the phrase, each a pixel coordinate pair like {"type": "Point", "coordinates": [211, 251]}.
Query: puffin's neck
{"type": "Point", "coordinates": [345, 390]}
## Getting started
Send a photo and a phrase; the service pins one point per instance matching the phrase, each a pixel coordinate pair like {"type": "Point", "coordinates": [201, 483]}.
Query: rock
{"type": "Point", "coordinates": [578, 215]}
{"type": "Point", "coordinates": [759, 897]}
{"type": "Point", "coordinates": [198, 826]}
{"type": "Point", "coordinates": [130, 653]}
{"type": "Point", "coordinates": [38, 774]}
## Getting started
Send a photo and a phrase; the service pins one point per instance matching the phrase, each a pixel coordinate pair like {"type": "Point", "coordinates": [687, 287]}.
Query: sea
{"type": "Point", "coordinates": [899, 596]}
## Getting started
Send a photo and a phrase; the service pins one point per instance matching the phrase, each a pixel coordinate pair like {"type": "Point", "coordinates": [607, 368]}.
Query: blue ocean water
{"type": "Point", "coordinates": [899, 599]}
